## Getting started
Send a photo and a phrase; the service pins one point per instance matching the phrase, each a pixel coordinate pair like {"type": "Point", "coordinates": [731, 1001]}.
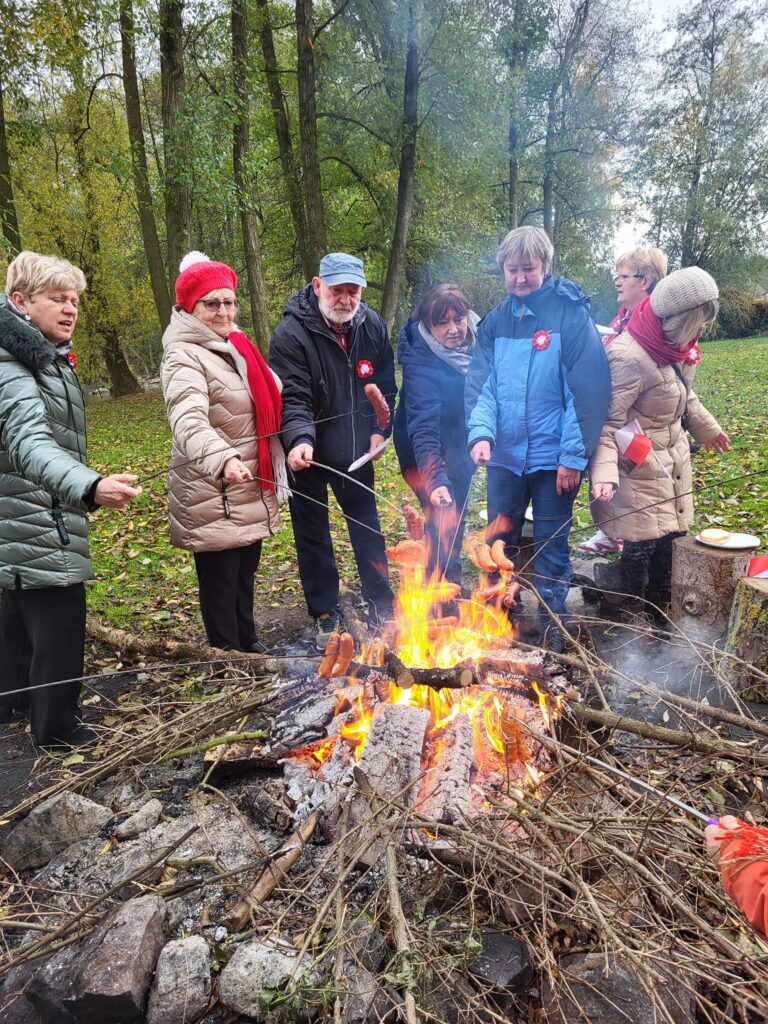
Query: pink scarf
{"type": "Point", "coordinates": [268, 405]}
{"type": "Point", "coordinates": [645, 328]}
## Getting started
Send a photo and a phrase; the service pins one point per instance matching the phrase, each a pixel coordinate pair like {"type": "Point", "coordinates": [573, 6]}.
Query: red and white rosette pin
{"type": "Point", "coordinates": [364, 369]}
{"type": "Point", "coordinates": [693, 355]}
{"type": "Point", "coordinates": [72, 360]}
{"type": "Point", "coordinates": [541, 340]}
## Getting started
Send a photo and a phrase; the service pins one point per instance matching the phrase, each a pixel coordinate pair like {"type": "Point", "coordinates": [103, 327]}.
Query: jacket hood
{"type": "Point", "coordinates": [23, 341]}
{"type": "Point", "coordinates": [184, 327]}
{"type": "Point", "coordinates": [303, 305]}
{"type": "Point", "coordinates": [559, 286]}
{"type": "Point", "coordinates": [412, 348]}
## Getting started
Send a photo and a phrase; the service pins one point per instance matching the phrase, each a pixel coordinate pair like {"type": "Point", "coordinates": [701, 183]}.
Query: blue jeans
{"type": "Point", "coordinates": [508, 498]}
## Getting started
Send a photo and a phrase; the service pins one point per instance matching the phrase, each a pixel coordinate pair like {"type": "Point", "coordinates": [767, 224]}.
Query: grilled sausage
{"type": "Point", "coordinates": [497, 554]}
{"type": "Point", "coordinates": [330, 656]}
{"type": "Point", "coordinates": [345, 655]}
{"type": "Point", "coordinates": [379, 403]}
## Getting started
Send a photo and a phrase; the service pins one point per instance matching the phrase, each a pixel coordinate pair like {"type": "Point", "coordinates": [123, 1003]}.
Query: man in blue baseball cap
{"type": "Point", "coordinates": [326, 348]}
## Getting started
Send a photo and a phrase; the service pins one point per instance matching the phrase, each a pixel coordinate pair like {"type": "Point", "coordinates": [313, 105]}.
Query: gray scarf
{"type": "Point", "coordinates": [458, 358]}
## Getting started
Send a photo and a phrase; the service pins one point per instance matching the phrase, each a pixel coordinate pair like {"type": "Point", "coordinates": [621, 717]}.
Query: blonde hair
{"type": "Point", "coordinates": [647, 261]}
{"type": "Point", "coordinates": [681, 328]}
{"type": "Point", "coordinates": [31, 273]}
{"type": "Point", "coordinates": [526, 243]}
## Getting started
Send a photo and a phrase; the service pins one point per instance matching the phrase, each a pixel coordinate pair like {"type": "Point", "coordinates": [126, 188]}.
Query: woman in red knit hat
{"type": "Point", "coordinates": [227, 466]}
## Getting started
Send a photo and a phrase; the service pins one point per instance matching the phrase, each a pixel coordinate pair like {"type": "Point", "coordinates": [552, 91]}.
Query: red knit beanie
{"type": "Point", "coordinates": [200, 275]}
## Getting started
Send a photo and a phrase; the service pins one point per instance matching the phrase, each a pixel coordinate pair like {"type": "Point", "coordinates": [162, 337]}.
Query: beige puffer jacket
{"type": "Point", "coordinates": [655, 396]}
{"type": "Point", "coordinates": [212, 419]}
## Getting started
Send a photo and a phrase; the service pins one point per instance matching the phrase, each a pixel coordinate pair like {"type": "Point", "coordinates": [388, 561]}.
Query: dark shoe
{"type": "Point", "coordinates": [553, 639]}
{"type": "Point", "coordinates": [379, 616]}
{"type": "Point", "coordinates": [81, 736]}
{"type": "Point", "coordinates": [588, 591]}
{"type": "Point", "coordinates": [257, 647]}
{"type": "Point", "coordinates": [6, 715]}
{"type": "Point", "coordinates": [608, 582]}
{"type": "Point", "coordinates": [325, 624]}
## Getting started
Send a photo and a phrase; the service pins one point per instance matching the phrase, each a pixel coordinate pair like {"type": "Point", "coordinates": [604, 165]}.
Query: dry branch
{"type": "Point", "coordinates": [677, 737]}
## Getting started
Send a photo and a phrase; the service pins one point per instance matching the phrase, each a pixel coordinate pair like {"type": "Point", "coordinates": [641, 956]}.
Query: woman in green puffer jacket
{"type": "Point", "coordinates": [46, 491]}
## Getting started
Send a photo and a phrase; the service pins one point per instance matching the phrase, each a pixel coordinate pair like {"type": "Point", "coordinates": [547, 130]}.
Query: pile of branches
{"type": "Point", "coordinates": [585, 863]}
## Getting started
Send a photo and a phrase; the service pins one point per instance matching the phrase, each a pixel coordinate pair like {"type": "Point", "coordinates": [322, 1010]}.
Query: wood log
{"type": "Point", "coordinates": [748, 640]}
{"type": "Point", "coordinates": [271, 876]}
{"type": "Point", "coordinates": [447, 793]}
{"type": "Point", "coordinates": [703, 584]}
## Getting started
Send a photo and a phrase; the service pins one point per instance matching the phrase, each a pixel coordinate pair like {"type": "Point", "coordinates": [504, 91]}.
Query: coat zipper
{"type": "Point", "coordinates": [225, 500]}
{"type": "Point", "coordinates": [58, 519]}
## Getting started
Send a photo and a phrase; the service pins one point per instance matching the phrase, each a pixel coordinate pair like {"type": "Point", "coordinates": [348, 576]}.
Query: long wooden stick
{"type": "Point", "coordinates": [676, 737]}
{"type": "Point", "coordinates": [272, 875]}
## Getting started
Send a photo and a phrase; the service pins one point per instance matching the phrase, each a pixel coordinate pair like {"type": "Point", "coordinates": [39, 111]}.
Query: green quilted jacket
{"type": "Point", "coordinates": [44, 479]}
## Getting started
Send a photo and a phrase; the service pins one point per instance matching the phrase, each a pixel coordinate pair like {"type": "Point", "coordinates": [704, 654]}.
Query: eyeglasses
{"type": "Point", "coordinates": [212, 305]}
{"type": "Point", "coordinates": [627, 277]}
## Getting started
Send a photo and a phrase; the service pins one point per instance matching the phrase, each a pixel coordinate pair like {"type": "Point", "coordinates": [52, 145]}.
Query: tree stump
{"type": "Point", "coordinates": [748, 639]}
{"type": "Point", "coordinates": [703, 584]}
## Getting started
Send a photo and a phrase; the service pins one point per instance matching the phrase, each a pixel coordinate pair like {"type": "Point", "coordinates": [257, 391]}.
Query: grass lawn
{"type": "Point", "coordinates": [145, 584]}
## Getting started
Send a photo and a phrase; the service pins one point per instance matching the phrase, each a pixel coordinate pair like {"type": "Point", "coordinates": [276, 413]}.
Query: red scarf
{"type": "Point", "coordinates": [268, 405]}
{"type": "Point", "coordinates": [645, 328]}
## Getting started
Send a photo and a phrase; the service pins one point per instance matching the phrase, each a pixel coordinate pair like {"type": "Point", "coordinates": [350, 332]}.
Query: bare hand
{"type": "Point", "coordinates": [721, 443]}
{"type": "Point", "coordinates": [376, 440]}
{"type": "Point", "coordinates": [603, 492]}
{"type": "Point", "coordinates": [300, 457]}
{"type": "Point", "coordinates": [481, 453]}
{"type": "Point", "coordinates": [236, 472]}
{"type": "Point", "coordinates": [115, 491]}
{"type": "Point", "coordinates": [716, 833]}
{"type": "Point", "coordinates": [441, 496]}
{"type": "Point", "coordinates": [567, 479]}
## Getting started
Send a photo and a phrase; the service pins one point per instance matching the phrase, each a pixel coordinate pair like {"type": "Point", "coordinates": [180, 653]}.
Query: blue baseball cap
{"type": "Point", "coordinates": [341, 268]}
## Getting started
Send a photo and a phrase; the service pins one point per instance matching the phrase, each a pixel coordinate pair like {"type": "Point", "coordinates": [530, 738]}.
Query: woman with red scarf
{"type": "Point", "coordinates": [653, 365]}
{"type": "Point", "coordinates": [227, 465]}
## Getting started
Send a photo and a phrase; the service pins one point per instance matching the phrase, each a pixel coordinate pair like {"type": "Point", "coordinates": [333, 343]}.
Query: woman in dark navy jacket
{"type": "Point", "coordinates": [536, 397]}
{"type": "Point", "coordinates": [435, 349]}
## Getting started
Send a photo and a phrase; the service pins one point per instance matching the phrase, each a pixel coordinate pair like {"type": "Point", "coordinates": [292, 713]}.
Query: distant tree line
{"type": "Point", "coordinates": [414, 133]}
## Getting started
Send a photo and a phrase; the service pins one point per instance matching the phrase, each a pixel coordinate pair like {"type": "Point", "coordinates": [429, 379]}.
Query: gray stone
{"type": "Point", "coordinates": [504, 962]}
{"type": "Point", "coordinates": [51, 984]}
{"type": "Point", "coordinates": [144, 819]}
{"type": "Point", "coordinates": [117, 962]}
{"type": "Point", "coordinates": [256, 970]}
{"type": "Point", "coordinates": [588, 991]}
{"type": "Point", "coordinates": [362, 999]}
{"type": "Point", "coordinates": [55, 824]}
{"type": "Point", "coordinates": [182, 985]}
{"type": "Point", "coordinates": [15, 1005]}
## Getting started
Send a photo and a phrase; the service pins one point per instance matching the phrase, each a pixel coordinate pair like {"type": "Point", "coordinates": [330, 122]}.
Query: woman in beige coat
{"type": "Point", "coordinates": [653, 365]}
{"type": "Point", "coordinates": [227, 466]}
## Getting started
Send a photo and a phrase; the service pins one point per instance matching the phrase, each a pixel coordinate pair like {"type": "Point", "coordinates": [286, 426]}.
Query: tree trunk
{"type": "Point", "coordinates": [8, 220]}
{"type": "Point", "coordinates": [257, 288]}
{"type": "Point", "coordinates": [748, 639]}
{"type": "Point", "coordinates": [139, 164]}
{"type": "Point", "coordinates": [307, 89]}
{"type": "Point", "coordinates": [283, 135]}
{"type": "Point", "coordinates": [703, 585]}
{"type": "Point", "coordinates": [177, 192]}
{"type": "Point", "coordinates": [97, 303]}
{"type": "Point", "coordinates": [406, 183]}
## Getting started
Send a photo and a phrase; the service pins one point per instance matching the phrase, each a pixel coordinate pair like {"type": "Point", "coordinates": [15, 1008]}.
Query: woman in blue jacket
{"type": "Point", "coordinates": [537, 394]}
{"type": "Point", "coordinates": [435, 348]}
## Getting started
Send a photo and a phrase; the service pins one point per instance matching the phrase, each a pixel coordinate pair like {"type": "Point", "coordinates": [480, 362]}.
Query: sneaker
{"type": "Point", "coordinates": [257, 647]}
{"type": "Point", "coordinates": [601, 544]}
{"type": "Point", "coordinates": [380, 616]}
{"type": "Point", "coordinates": [325, 624]}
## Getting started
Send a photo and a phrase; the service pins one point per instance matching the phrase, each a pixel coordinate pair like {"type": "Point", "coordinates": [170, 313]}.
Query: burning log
{"type": "Point", "coordinates": [391, 762]}
{"type": "Point", "coordinates": [448, 797]}
{"type": "Point", "coordinates": [303, 722]}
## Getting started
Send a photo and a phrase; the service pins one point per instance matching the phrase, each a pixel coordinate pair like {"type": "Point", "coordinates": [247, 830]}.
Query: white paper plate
{"type": "Point", "coordinates": [483, 514]}
{"type": "Point", "coordinates": [735, 541]}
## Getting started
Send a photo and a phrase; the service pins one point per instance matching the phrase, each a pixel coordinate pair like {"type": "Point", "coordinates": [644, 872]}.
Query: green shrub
{"type": "Point", "coordinates": [738, 314]}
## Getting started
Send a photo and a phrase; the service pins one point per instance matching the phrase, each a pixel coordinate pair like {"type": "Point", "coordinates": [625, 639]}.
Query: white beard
{"type": "Point", "coordinates": [335, 316]}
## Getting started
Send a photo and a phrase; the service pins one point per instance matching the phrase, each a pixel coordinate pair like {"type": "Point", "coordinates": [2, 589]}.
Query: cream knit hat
{"type": "Point", "coordinates": [683, 290]}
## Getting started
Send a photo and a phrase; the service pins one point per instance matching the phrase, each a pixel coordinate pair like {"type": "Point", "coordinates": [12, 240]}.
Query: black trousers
{"type": "Point", "coordinates": [225, 585]}
{"type": "Point", "coordinates": [42, 640]}
{"type": "Point", "coordinates": [314, 547]}
{"type": "Point", "coordinates": [646, 568]}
